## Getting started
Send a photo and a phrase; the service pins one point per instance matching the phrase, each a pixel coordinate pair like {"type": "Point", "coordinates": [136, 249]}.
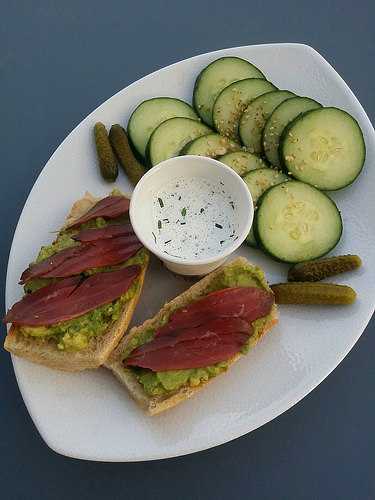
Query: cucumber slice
{"type": "Point", "coordinates": [214, 78]}
{"type": "Point", "coordinates": [254, 118]}
{"type": "Point", "coordinates": [171, 136]}
{"type": "Point", "coordinates": [323, 147]}
{"type": "Point", "coordinates": [243, 162]}
{"type": "Point", "coordinates": [211, 145]}
{"type": "Point", "coordinates": [296, 222]}
{"type": "Point", "coordinates": [232, 101]}
{"type": "Point", "coordinates": [149, 114]}
{"type": "Point", "coordinates": [258, 181]}
{"type": "Point", "coordinates": [286, 112]}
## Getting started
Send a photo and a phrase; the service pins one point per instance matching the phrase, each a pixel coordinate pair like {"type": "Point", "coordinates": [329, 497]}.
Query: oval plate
{"type": "Point", "coordinates": [89, 415]}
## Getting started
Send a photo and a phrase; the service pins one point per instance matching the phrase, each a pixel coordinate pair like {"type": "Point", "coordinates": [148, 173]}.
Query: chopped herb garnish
{"type": "Point", "coordinates": [183, 212]}
{"type": "Point", "coordinates": [161, 203]}
{"type": "Point", "coordinates": [171, 254]}
{"type": "Point", "coordinates": [159, 224]}
{"type": "Point", "coordinates": [168, 241]}
{"type": "Point", "coordinates": [219, 226]}
{"type": "Point", "coordinates": [153, 234]}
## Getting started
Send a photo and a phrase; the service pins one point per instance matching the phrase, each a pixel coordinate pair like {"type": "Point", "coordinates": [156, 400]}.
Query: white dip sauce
{"type": "Point", "coordinates": [194, 218]}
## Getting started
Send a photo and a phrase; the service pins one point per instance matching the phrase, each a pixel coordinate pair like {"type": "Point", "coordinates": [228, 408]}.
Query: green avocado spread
{"type": "Point", "coordinates": [75, 334]}
{"type": "Point", "coordinates": [162, 383]}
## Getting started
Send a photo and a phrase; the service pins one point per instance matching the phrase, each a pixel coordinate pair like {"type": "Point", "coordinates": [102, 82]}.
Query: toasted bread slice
{"type": "Point", "coordinates": [157, 404]}
{"type": "Point", "coordinates": [45, 352]}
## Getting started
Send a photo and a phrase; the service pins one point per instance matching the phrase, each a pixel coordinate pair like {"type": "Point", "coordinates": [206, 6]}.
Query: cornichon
{"type": "Point", "coordinates": [317, 270]}
{"type": "Point", "coordinates": [313, 293]}
{"type": "Point", "coordinates": [107, 160]}
{"type": "Point", "coordinates": [120, 143]}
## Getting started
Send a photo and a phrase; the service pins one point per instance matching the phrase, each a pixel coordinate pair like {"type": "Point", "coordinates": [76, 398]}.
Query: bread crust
{"type": "Point", "coordinates": [154, 405]}
{"type": "Point", "coordinates": [45, 352]}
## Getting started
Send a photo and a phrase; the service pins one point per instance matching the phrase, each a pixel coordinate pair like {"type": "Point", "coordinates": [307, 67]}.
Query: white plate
{"type": "Point", "coordinates": [89, 415]}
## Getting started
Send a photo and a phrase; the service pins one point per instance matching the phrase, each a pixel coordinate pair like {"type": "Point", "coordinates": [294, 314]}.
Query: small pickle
{"type": "Point", "coordinates": [317, 270]}
{"type": "Point", "coordinates": [107, 159]}
{"type": "Point", "coordinates": [120, 144]}
{"type": "Point", "coordinates": [313, 293]}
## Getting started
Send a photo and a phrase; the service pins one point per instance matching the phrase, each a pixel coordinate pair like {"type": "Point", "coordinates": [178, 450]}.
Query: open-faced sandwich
{"type": "Point", "coordinates": [195, 337]}
{"type": "Point", "coordinates": [81, 291]}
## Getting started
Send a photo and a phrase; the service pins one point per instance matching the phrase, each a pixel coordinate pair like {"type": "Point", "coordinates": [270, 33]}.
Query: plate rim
{"type": "Point", "coordinates": [274, 412]}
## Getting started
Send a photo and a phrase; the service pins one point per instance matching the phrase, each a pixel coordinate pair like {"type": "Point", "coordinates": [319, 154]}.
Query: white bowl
{"type": "Point", "coordinates": [142, 216]}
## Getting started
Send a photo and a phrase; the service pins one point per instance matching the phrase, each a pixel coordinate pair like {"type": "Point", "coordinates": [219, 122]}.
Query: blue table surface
{"type": "Point", "coordinates": [59, 61]}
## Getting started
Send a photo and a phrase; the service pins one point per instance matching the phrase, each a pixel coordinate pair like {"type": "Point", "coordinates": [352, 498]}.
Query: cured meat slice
{"type": "Point", "coordinates": [39, 298]}
{"type": "Point", "coordinates": [75, 260]}
{"type": "Point", "coordinates": [103, 233]}
{"type": "Point", "coordinates": [196, 353]}
{"type": "Point", "coordinates": [71, 297]}
{"type": "Point", "coordinates": [46, 265]}
{"type": "Point", "coordinates": [108, 208]}
{"type": "Point", "coordinates": [248, 303]}
{"type": "Point", "coordinates": [102, 253]}
{"type": "Point", "coordinates": [212, 327]}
